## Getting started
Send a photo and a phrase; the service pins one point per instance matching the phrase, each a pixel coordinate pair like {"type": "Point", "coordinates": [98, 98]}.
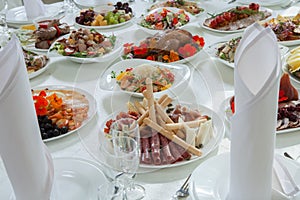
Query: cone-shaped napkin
{"type": "Point", "coordinates": [34, 8]}
{"type": "Point", "coordinates": [27, 162]}
{"type": "Point", "coordinates": [256, 74]}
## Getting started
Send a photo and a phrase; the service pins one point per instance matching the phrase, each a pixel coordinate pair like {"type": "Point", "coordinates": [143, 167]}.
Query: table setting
{"type": "Point", "coordinates": [127, 100]}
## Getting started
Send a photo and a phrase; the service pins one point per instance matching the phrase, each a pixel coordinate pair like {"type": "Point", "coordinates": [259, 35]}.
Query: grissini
{"type": "Point", "coordinates": [173, 137]}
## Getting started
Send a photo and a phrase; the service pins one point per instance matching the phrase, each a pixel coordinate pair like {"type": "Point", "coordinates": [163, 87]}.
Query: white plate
{"type": "Point", "coordinates": [38, 72]}
{"type": "Point", "coordinates": [290, 43]}
{"type": "Point", "coordinates": [181, 72]}
{"type": "Point", "coordinates": [228, 114]}
{"type": "Point", "coordinates": [219, 131]}
{"type": "Point", "coordinates": [286, 70]}
{"type": "Point", "coordinates": [108, 56]}
{"type": "Point", "coordinates": [210, 180]}
{"type": "Point", "coordinates": [153, 31]}
{"type": "Point", "coordinates": [32, 47]}
{"type": "Point", "coordinates": [182, 61]}
{"type": "Point", "coordinates": [108, 26]}
{"type": "Point", "coordinates": [90, 3]}
{"type": "Point", "coordinates": [160, 4]}
{"type": "Point", "coordinates": [91, 112]}
{"type": "Point", "coordinates": [263, 2]}
{"type": "Point", "coordinates": [230, 31]}
{"type": "Point", "coordinates": [74, 179]}
{"type": "Point", "coordinates": [17, 15]}
{"type": "Point", "coordinates": [212, 51]}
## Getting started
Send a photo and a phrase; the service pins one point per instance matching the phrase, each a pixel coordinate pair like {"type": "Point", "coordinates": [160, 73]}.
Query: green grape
{"type": "Point", "coordinates": [122, 20]}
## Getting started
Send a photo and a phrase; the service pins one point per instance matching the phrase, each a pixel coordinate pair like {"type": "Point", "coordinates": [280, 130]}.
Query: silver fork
{"type": "Point", "coordinates": [183, 190]}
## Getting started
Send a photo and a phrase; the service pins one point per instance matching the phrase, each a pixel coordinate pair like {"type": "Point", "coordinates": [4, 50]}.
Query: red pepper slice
{"type": "Point", "coordinates": [58, 33]}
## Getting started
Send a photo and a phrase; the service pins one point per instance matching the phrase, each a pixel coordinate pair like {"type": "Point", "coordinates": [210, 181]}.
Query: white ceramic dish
{"type": "Point", "coordinates": [219, 131]}
{"type": "Point", "coordinates": [154, 31]}
{"type": "Point", "coordinates": [160, 3]}
{"type": "Point", "coordinates": [108, 56]}
{"type": "Point", "coordinates": [38, 72]}
{"type": "Point", "coordinates": [74, 179]}
{"type": "Point", "coordinates": [212, 51]}
{"type": "Point", "coordinates": [91, 112]}
{"type": "Point", "coordinates": [210, 180]}
{"type": "Point", "coordinates": [90, 3]}
{"type": "Point", "coordinates": [106, 27]}
{"type": "Point", "coordinates": [182, 74]}
{"type": "Point", "coordinates": [17, 15]}
{"type": "Point", "coordinates": [228, 113]}
{"type": "Point", "coordinates": [263, 2]}
{"type": "Point", "coordinates": [201, 23]}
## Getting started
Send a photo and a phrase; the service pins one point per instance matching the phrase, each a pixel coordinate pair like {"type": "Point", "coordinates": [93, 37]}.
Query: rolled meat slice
{"type": "Point", "coordinates": [167, 157]}
{"type": "Point", "coordinates": [176, 154]}
{"type": "Point", "coordinates": [155, 148]}
{"type": "Point", "coordinates": [184, 153]}
{"type": "Point", "coordinates": [145, 151]}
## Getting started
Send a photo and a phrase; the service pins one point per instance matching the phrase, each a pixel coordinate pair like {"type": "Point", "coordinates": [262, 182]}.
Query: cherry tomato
{"type": "Point", "coordinates": [227, 16]}
{"type": "Point", "coordinates": [213, 23]}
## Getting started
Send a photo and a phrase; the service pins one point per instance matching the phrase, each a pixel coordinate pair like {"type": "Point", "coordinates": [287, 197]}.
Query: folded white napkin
{"type": "Point", "coordinates": [25, 157]}
{"type": "Point", "coordinates": [257, 75]}
{"type": "Point", "coordinates": [34, 8]}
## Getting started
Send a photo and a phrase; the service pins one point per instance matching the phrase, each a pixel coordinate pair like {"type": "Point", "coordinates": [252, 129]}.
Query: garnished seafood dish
{"type": "Point", "coordinates": [236, 18]}
{"type": "Point", "coordinates": [169, 134]}
{"type": "Point", "coordinates": [188, 6]}
{"type": "Point", "coordinates": [84, 43]}
{"type": "Point", "coordinates": [59, 111]}
{"type": "Point", "coordinates": [48, 31]}
{"type": "Point", "coordinates": [168, 46]}
{"type": "Point", "coordinates": [164, 19]}
{"type": "Point", "coordinates": [134, 79]}
{"type": "Point", "coordinates": [226, 51]}
{"type": "Point", "coordinates": [33, 61]}
{"type": "Point", "coordinates": [288, 106]}
{"type": "Point", "coordinates": [120, 13]}
{"type": "Point", "coordinates": [285, 28]}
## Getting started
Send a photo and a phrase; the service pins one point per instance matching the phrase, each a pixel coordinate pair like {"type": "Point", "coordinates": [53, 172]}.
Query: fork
{"type": "Point", "coordinates": [183, 190]}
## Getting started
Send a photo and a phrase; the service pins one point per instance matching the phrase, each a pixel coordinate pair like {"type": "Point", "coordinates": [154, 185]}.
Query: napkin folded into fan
{"type": "Point", "coordinates": [34, 8]}
{"type": "Point", "coordinates": [256, 81]}
{"type": "Point", "coordinates": [26, 159]}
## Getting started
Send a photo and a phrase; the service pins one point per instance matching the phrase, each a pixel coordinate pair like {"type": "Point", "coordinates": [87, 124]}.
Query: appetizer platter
{"type": "Point", "coordinates": [171, 134]}
{"type": "Point", "coordinates": [286, 29]}
{"type": "Point", "coordinates": [224, 51]}
{"type": "Point", "coordinates": [177, 46]}
{"type": "Point", "coordinates": [110, 17]}
{"type": "Point", "coordinates": [188, 6]}
{"type": "Point", "coordinates": [129, 76]}
{"type": "Point", "coordinates": [35, 63]}
{"type": "Point", "coordinates": [291, 64]}
{"type": "Point", "coordinates": [62, 110]}
{"type": "Point", "coordinates": [236, 19]}
{"type": "Point", "coordinates": [264, 2]}
{"type": "Point", "coordinates": [86, 46]}
{"type": "Point", "coordinates": [288, 107]}
{"type": "Point", "coordinates": [161, 19]}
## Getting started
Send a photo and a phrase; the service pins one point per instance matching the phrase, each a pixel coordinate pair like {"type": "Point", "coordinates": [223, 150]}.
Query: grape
{"type": "Point", "coordinates": [122, 20]}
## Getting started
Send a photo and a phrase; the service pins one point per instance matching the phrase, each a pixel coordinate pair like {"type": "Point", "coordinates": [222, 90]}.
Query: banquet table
{"type": "Point", "coordinates": [211, 83]}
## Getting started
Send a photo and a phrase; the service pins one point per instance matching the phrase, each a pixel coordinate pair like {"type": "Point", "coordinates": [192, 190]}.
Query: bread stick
{"type": "Point", "coordinates": [191, 124]}
{"type": "Point", "coordinates": [173, 137]}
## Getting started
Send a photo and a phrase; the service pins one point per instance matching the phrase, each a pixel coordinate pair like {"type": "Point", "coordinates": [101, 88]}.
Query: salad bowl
{"type": "Point", "coordinates": [167, 78]}
{"type": "Point", "coordinates": [164, 18]}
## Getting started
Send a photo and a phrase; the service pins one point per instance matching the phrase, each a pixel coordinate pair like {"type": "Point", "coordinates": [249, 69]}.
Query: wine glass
{"type": "Point", "coordinates": [130, 128]}
{"type": "Point", "coordinates": [4, 33]}
{"type": "Point", "coordinates": [121, 155]}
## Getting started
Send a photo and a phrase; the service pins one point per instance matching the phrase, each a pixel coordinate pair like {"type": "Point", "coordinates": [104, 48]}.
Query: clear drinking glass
{"type": "Point", "coordinates": [130, 128]}
{"type": "Point", "coordinates": [121, 155]}
{"type": "Point", "coordinates": [4, 33]}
